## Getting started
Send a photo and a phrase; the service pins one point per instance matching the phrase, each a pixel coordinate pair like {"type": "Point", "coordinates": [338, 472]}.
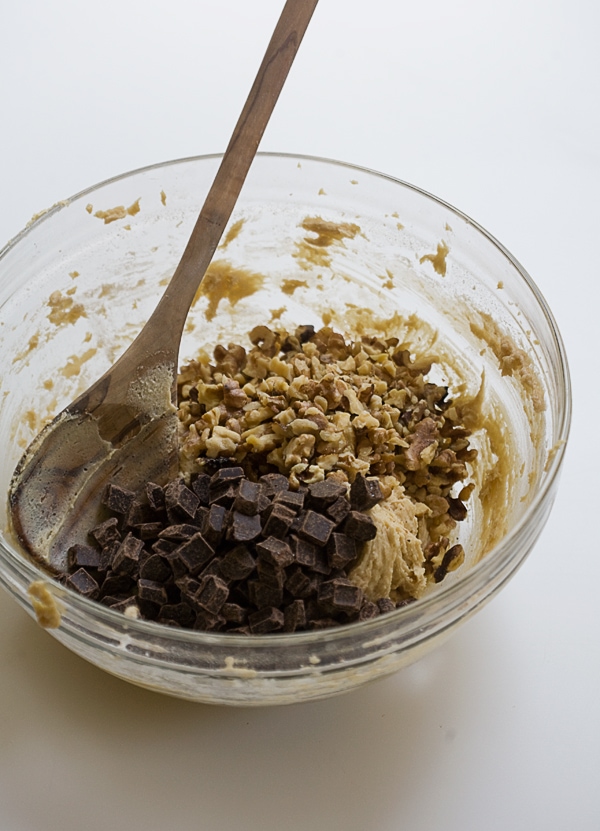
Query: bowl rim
{"type": "Point", "coordinates": [497, 561]}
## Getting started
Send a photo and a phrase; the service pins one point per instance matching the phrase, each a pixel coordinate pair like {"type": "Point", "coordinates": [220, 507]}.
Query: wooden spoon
{"type": "Point", "coordinates": [124, 428]}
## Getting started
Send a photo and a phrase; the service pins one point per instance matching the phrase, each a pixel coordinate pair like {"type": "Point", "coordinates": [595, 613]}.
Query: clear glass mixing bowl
{"type": "Point", "coordinates": [76, 288]}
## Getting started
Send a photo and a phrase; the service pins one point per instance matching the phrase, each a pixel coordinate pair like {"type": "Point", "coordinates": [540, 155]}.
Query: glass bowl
{"type": "Point", "coordinates": [78, 283]}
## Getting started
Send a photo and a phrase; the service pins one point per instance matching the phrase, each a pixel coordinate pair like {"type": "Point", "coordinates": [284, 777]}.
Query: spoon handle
{"type": "Point", "coordinates": [175, 303]}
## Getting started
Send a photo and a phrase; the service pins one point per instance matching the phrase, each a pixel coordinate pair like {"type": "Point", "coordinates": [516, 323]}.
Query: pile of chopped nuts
{"type": "Point", "coordinates": [313, 405]}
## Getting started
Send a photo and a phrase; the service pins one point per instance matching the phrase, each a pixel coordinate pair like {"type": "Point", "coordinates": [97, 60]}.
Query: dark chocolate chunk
{"type": "Point", "coordinates": [294, 616]}
{"type": "Point", "coordinates": [324, 493]}
{"type": "Point", "coordinates": [212, 594]}
{"type": "Point", "coordinates": [200, 486]}
{"type": "Point", "coordinates": [263, 594]}
{"type": "Point", "coordinates": [270, 573]}
{"type": "Point", "coordinates": [321, 564]}
{"type": "Point", "coordinates": [244, 528]}
{"type": "Point", "coordinates": [152, 591]}
{"type": "Point", "coordinates": [316, 528]}
{"type": "Point", "coordinates": [340, 595]}
{"type": "Point", "coordinates": [106, 532]}
{"type": "Point", "coordinates": [188, 586]}
{"type": "Point", "coordinates": [148, 530]}
{"type": "Point", "coordinates": [213, 526]}
{"type": "Point", "coordinates": [269, 619]}
{"type": "Point", "coordinates": [234, 613]}
{"type": "Point", "coordinates": [238, 563]}
{"type": "Point", "coordinates": [364, 493]}
{"type": "Point", "coordinates": [278, 521]}
{"type": "Point", "coordinates": [385, 604]}
{"type": "Point", "coordinates": [83, 556]}
{"type": "Point", "coordinates": [163, 546]}
{"type": "Point", "coordinates": [181, 531]}
{"type": "Point", "coordinates": [227, 474]}
{"type": "Point", "coordinates": [304, 333]}
{"type": "Point", "coordinates": [299, 584]}
{"type": "Point", "coordinates": [274, 483]}
{"type": "Point", "coordinates": [181, 613]}
{"type": "Point", "coordinates": [155, 495]}
{"type": "Point", "coordinates": [138, 513]}
{"type": "Point", "coordinates": [305, 553]}
{"type": "Point", "coordinates": [275, 551]}
{"type": "Point", "coordinates": [224, 495]}
{"type": "Point", "coordinates": [182, 500]}
{"type": "Point", "coordinates": [155, 568]}
{"type": "Point", "coordinates": [359, 526]}
{"type": "Point", "coordinates": [83, 583]}
{"type": "Point", "coordinates": [338, 510]}
{"type": "Point", "coordinates": [247, 498]}
{"type": "Point", "coordinates": [117, 499]}
{"type": "Point", "coordinates": [116, 584]}
{"type": "Point", "coordinates": [194, 553]}
{"type": "Point", "coordinates": [123, 605]}
{"type": "Point", "coordinates": [368, 610]}
{"type": "Point", "coordinates": [291, 499]}
{"type": "Point", "coordinates": [341, 550]}
{"type": "Point", "coordinates": [126, 559]}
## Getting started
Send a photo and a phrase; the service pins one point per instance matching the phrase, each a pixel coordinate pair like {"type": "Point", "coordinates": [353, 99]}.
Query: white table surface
{"type": "Point", "coordinates": [495, 107]}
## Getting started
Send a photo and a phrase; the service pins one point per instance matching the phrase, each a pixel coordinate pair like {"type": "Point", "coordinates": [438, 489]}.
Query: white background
{"type": "Point", "coordinates": [494, 107]}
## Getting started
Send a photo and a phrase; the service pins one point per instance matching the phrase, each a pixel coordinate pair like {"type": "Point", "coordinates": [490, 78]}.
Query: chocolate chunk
{"type": "Point", "coordinates": [116, 584]}
{"type": "Point", "coordinates": [126, 559]}
{"type": "Point", "coordinates": [200, 486]}
{"type": "Point", "coordinates": [155, 568]}
{"type": "Point", "coordinates": [244, 528]}
{"type": "Point", "coordinates": [338, 510]}
{"type": "Point", "coordinates": [274, 483]}
{"type": "Point", "coordinates": [264, 594]}
{"type": "Point", "coordinates": [269, 619]}
{"type": "Point", "coordinates": [247, 498]}
{"type": "Point", "coordinates": [212, 594]}
{"type": "Point", "coordinates": [224, 495]}
{"type": "Point", "coordinates": [138, 513]}
{"type": "Point", "coordinates": [117, 499]}
{"type": "Point", "coordinates": [300, 584]}
{"type": "Point", "coordinates": [180, 499]}
{"type": "Point", "coordinates": [106, 532]}
{"type": "Point", "coordinates": [340, 595]}
{"type": "Point", "coordinates": [385, 605]}
{"type": "Point", "coordinates": [152, 591]}
{"type": "Point", "coordinates": [233, 613]}
{"type": "Point", "coordinates": [364, 493]}
{"type": "Point", "coordinates": [83, 583]}
{"type": "Point", "coordinates": [179, 532]}
{"type": "Point", "coordinates": [321, 563]}
{"type": "Point", "coordinates": [238, 563]}
{"type": "Point", "coordinates": [213, 527]}
{"type": "Point", "coordinates": [194, 553]}
{"type": "Point", "coordinates": [163, 546]}
{"type": "Point", "coordinates": [181, 613]}
{"type": "Point", "coordinates": [270, 573]}
{"type": "Point", "coordinates": [155, 496]}
{"type": "Point", "coordinates": [294, 616]}
{"type": "Point", "coordinates": [148, 530]}
{"type": "Point", "coordinates": [359, 526]}
{"type": "Point", "coordinates": [227, 474]}
{"type": "Point", "coordinates": [315, 528]}
{"type": "Point", "coordinates": [83, 556]}
{"type": "Point", "coordinates": [294, 500]}
{"type": "Point", "coordinates": [275, 551]}
{"type": "Point", "coordinates": [341, 550]}
{"type": "Point", "coordinates": [368, 610]}
{"type": "Point", "coordinates": [188, 586]}
{"type": "Point", "coordinates": [305, 333]}
{"type": "Point", "coordinates": [452, 559]}
{"type": "Point", "coordinates": [212, 569]}
{"type": "Point", "coordinates": [305, 553]}
{"type": "Point", "coordinates": [324, 493]}
{"type": "Point", "coordinates": [278, 521]}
